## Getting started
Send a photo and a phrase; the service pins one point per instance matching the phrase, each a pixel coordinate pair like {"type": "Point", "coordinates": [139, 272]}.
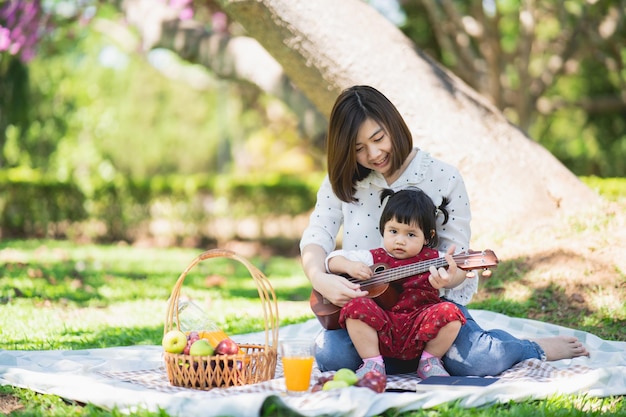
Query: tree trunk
{"type": "Point", "coordinates": [325, 46]}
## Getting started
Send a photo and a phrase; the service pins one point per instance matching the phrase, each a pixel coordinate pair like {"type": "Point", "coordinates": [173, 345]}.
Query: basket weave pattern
{"type": "Point", "coordinates": [255, 363]}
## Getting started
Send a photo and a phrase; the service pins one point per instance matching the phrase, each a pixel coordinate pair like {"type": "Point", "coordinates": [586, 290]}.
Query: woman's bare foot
{"type": "Point", "coordinates": [562, 347]}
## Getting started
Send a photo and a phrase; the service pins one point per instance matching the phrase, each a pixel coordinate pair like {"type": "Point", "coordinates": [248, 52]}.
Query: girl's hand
{"type": "Point", "coordinates": [442, 277]}
{"type": "Point", "coordinates": [359, 270]}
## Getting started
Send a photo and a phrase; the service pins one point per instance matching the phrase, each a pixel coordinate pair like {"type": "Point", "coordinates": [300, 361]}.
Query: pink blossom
{"type": "Point", "coordinates": [186, 11]}
{"type": "Point", "coordinates": [179, 3]}
{"type": "Point", "coordinates": [5, 40]}
{"type": "Point", "coordinates": [28, 54]}
{"type": "Point", "coordinates": [219, 22]}
{"type": "Point", "coordinates": [14, 48]}
{"type": "Point", "coordinates": [186, 14]}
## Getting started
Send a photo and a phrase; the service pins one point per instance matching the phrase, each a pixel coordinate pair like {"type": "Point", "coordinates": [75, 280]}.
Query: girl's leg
{"type": "Point", "coordinates": [334, 350]}
{"type": "Point", "coordinates": [430, 362]}
{"type": "Point", "coordinates": [365, 339]}
{"type": "Point", "coordinates": [444, 339]}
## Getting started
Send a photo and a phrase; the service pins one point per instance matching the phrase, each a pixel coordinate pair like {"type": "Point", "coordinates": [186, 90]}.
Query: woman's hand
{"type": "Point", "coordinates": [337, 289]}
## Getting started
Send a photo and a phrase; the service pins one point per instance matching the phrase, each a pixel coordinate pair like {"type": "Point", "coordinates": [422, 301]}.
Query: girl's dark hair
{"type": "Point", "coordinates": [413, 206]}
{"type": "Point", "coordinates": [353, 106]}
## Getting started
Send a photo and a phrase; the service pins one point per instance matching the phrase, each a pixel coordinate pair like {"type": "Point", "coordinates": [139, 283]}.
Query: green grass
{"type": "Point", "coordinates": [59, 295]}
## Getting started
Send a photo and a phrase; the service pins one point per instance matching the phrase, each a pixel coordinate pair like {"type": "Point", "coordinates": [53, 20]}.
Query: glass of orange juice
{"type": "Point", "coordinates": [297, 358]}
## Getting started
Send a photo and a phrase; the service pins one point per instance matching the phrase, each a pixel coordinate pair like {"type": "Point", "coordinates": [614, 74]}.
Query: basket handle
{"type": "Point", "coordinates": [265, 290]}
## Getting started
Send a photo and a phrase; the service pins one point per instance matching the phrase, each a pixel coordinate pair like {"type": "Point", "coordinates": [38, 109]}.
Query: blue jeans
{"type": "Point", "coordinates": [474, 352]}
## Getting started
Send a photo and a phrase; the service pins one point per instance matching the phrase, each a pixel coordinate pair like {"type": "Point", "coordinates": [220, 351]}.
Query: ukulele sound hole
{"type": "Point", "coordinates": [378, 269]}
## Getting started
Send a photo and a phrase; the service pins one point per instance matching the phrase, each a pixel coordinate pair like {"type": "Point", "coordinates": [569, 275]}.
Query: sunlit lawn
{"type": "Point", "coordinates": [59, 295]}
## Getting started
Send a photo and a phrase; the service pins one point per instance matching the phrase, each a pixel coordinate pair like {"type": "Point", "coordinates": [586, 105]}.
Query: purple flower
{"type": "Point", "coordinates": [23, 24]}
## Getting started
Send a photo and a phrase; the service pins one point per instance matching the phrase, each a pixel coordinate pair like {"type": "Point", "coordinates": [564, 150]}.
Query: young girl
{"type": "Point", "coordinates": [419, 324]}
{"type": "Point", "coordinates": [369, 148]}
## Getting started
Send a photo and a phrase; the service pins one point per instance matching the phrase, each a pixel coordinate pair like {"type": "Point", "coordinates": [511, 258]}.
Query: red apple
{"type": "Point", "coordinates": [227, 347]}
{"type": "Point", "coordinates": [320, 383]}
{"type": "Point", "coordinates": [373, 380]}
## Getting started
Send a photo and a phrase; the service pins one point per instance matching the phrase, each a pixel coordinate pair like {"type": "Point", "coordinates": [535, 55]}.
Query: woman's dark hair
{"type": "Point", "coordinates": [413, 206]}
{"type": "Point", "coordinates": [353, 106]}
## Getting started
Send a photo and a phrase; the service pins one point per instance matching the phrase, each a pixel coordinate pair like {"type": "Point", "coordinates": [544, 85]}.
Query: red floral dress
{"type": "Point", "coordinates": [417, 316]}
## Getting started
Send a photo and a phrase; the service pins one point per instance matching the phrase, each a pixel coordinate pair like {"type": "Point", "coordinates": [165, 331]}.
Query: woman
{"type": "Point", "coordinates": [369, 148]}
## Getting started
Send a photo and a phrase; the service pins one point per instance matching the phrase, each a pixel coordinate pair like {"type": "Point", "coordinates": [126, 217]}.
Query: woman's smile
{"type": "Point", "coordinates": [373, 147]}
{"type": "Point", "coordinates": [381, 163]}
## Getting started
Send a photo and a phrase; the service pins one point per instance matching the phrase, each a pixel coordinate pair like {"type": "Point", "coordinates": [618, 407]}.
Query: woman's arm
{"type": "Point", "coordinates": [334, 288]}
{"type": "Point", "coordinates": [461, 286]}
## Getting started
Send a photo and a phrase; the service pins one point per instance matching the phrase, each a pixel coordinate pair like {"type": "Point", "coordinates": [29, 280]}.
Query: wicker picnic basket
{"type": "Point", "coordinates": [254, 363]}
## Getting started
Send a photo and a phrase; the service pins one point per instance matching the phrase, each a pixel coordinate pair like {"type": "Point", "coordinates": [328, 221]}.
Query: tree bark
{"type": "Point", "coordinates": [325, 46]}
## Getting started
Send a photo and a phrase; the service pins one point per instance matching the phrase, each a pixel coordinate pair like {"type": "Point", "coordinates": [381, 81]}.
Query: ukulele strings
{"type": "Point", "coordinates": [392, 274]}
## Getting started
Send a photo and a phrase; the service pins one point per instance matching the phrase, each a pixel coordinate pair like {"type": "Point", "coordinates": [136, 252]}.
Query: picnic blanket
{"type": "Point", "coordinates": [134, 376]}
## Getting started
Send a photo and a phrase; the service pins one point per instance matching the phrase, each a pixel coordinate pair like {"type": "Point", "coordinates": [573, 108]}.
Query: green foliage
{"type": "Point", "coordinates": [585, 131]}
{"type": "Point", "coordinates": [30, 205]}
{"type": "Point", "coordinates": [130, 139]}
{"type": "Point", "coordinates": [610, 188]}
{"type": "Point", "coordinates": [37, 207]}
{"type": "Point", "coordinates": [14, 97]}
{"type": "Point", "coordinates": [562, 83]}
{"type": "Point", "coordinates": [271, 194]}
{"type": "Point", "coordinates": [589, 142]}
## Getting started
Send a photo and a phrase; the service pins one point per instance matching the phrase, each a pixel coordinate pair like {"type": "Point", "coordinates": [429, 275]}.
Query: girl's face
{"type": "Point", "coordinates": [373, 147]}
{"type": "Point", "coordinates": [402, 240]}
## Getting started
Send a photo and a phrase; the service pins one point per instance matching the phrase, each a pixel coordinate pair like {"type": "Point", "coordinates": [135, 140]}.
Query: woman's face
{"type": "Point", "coordinates": [373, 147]}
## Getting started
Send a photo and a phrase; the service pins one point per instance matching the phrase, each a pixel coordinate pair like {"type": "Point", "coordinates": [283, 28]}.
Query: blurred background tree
{"type": "Point", "coordinates": [87, 100]}
{"type": "Point", "coordinates": [555, 68]}
{"type": "Point", "coordinates": [92, 97]}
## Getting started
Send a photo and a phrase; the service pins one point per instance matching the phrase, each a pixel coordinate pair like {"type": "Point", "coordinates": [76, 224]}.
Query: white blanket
{"type": "Point", "coordinates": [131, 377]}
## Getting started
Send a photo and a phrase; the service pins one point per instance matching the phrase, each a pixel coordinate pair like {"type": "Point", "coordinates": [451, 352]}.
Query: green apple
{"type": "Point", "coordinates": [332, 384]}
{"type": "Point", "coordinates": [174, 341]}
{"type": "Point", "coordinates": [201, 347]}
{"type": "Point", "coordinates": [346, 375]}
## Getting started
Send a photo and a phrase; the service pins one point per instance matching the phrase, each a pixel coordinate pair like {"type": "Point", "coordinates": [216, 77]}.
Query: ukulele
{"type": "Point", "coordinates": [386, 295]}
